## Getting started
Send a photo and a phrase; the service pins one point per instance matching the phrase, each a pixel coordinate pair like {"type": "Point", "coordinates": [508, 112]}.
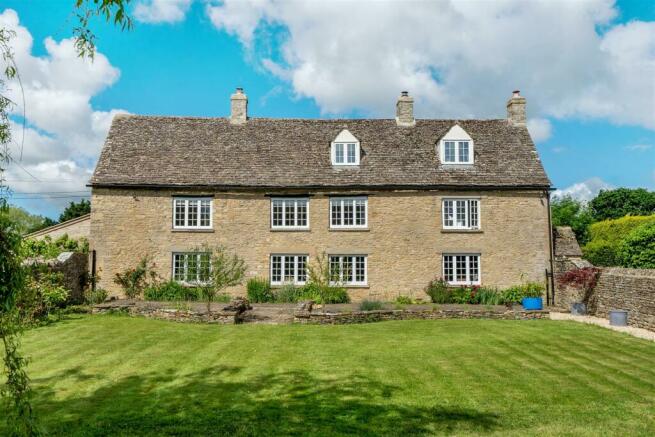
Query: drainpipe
{"type": "Point", "coordinates": [550, 245]}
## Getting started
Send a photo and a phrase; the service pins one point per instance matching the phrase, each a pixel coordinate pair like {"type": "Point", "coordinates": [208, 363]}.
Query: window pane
{"type": "Point", "coordinates": [191, 267]}
{"type": "Point", "coordinates": [473, 268]}
{"type": "Point", "coordinates": [192, 213]}
{"type": "Point", "coordinates": [204, 267]}
{"type": "Point", "coordinates": [360, 212]}
{"type": "Point", "coordinates": [463, 151]}
{"type": "Point", "coordinates": [302, 268]}
{"type": "Point", "coordinates": [289, 213]}
{"type": "Point", "coordinates": [302, 213]}
{"type": "Point", "coordinates": [448, 272]}
{"type": "Point", "coordinates": [449, 151]}
{"type": "Point", "coordinates": [448, 213]}
{"type": "Point", "coordinates": [347, 269]}
{"type": "Point", "coordinates": [336, 211]}
{"type": "Point", "coordinates": [360, 269]}
{"type": "Point", "coordinates": [276, 269]}
{"type": "Point", "coordinates": [335, 270]}
{"type": "Point", "coordinates": [179, 212]}
{"type": "Point", "coordinates": [338, 153]}
{"type": "Point", "coordinates": [348, 212]}
{"type": "Point", "coordinates": [205, 212]}
{"type": "Point", "coordinates": [473, 213]}
{"type": "Point", "coordinates": [277, 212]}
{"type": "Point", "coordinates": [460, 213]}
{"type": "Point", "coordinates": [289, 269]}
{"type": "Point", "coordinates": [351, 154]}
{"type": "Point", "coordinates": [178, 267]}
{"type": "Point", "coordinates": [460, 268]}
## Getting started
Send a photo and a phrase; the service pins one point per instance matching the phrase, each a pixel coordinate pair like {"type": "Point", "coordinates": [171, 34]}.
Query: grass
{"type": "Point", "coordinates": [115, 375]}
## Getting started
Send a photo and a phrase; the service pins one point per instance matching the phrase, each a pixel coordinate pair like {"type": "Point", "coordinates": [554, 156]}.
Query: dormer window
{"type": "Point", "coordinates": [345, 149]}
{"type": "Point", "coordinates": [456, 147]}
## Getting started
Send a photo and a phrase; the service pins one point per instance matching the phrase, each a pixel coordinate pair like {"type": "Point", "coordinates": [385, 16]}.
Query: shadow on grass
{"type": "Point", "coordinates": [226, 401]}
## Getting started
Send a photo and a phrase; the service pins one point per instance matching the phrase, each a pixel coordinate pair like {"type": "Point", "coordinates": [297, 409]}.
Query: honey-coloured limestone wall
{"type": "Point", "coordinates": [404, 240]}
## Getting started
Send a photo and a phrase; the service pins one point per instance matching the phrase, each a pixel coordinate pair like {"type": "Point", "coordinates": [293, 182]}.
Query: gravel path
{"type": "Point", "coordinates": [605, 323]}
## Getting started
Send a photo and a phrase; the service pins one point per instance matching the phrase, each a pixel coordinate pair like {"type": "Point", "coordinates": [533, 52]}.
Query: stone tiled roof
{"type": "Point", "coordinates": [295, 153]}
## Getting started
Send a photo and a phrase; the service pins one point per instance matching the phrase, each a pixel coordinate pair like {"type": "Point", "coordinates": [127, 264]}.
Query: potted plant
{"type": "Point", "coordinates": [532, 297]}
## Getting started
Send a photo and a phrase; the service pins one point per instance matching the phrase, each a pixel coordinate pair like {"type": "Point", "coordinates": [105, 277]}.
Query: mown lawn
{"type": "Point", "coordinates": [108, 375]}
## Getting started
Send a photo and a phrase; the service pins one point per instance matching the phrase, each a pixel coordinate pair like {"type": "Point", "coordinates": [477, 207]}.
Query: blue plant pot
{"type": "Point", "coordinates": [532, 303]}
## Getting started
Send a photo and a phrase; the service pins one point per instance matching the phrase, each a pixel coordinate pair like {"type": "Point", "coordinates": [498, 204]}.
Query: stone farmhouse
{"type": "Point", "coordinates": [392, 203]}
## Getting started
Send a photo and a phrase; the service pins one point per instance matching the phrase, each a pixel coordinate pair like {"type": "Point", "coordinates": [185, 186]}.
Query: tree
{"type": "Point", "coordinates": [567, 211]}
{"type": "Point", "coordinates": [74, 210]}
{"type": "Point", "coordinates": [638, 249]}
{"type": "Point", "coordinates": [20, 415]}
{"type": "Point", "coordinates": [25, 222]}
{"type": "Point", "coordinates": [612, 204]}
{"type": "Point", "coordinates": [218, 269]}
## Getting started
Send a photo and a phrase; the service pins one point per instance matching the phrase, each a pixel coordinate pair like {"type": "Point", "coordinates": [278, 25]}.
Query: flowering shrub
{"type": "Point", "coordinates": [584, 278]}
{"type": "Point", "coordinates": [135, 280]}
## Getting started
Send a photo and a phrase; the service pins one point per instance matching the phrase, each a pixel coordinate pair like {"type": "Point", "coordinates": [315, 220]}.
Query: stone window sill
{"type": "Point", "coordinates": [289, 230]}
{"type": "Point", "coordinates": [349, 230]}
{"type": "Point", "coordinates": [201, 231]}
{"type": "Point", "coordinates": [462, 231]}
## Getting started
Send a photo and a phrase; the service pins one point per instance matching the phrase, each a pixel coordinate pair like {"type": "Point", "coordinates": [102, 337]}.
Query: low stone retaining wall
{"type": "Point", "coordinates": [154, 311]}
{"type": "Point", "coordinates": [323, 318]}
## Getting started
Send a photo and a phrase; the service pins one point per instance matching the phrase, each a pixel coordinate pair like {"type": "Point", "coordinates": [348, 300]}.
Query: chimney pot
{"type": "Point", "coordinates": [405, 110]}
{"type": "Point", "coordinates": [238, 107]}
{"type": "Point", "coordinates": [516, 109]}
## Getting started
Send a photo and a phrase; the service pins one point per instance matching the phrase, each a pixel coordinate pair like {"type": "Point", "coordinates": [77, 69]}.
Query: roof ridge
{"type": "Point", "coordinates": [325, 120]}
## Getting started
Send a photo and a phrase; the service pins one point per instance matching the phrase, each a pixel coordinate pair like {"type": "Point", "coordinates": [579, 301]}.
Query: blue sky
{"type": "Point", "coordinates": [586, 68]}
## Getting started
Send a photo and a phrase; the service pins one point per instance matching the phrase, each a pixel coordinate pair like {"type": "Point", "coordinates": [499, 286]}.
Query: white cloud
{"type": "Point", "coordinates": [540, 129]}
{"type": "Point", "coordinates": [161, 11]}
{"type": "Point", "coordinates": [64, 133]}
{"type": "Point", "coordinates": [585, 190]}
{"type": "Point", "coordinates": [458, 59]}
{"type": "Point", "coordinates": [639, 147]}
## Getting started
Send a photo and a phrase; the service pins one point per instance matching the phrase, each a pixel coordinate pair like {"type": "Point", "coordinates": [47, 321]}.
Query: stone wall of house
{"type": "Point", "coordinates": [404, 241]}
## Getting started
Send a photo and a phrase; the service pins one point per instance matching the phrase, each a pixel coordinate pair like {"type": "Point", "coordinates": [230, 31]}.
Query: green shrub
{"type": "Point", "coordinates": [638, 249]}
{"type": "Point", "coordinates": [324, 294]}
{"type": "Point", "coordinates": [223, 298]}
{"type": "Point", "coordinates": [288, 293]}
{"type": "Point", "coordinates": [370, 305]}
{"type": "Point", "coordinates": [259, 290]}
{"type": "Point", "coordinates": [489, 296]}
{"type": "Point", "coordinates": [170, 291]}
{"type": "Point", "coordinates": [44, 293]}
{"type": "Point", "coordinates": [607, 238]}
{"type": "Point", "coordinates": [462, 295]}
{"type": "Point", "coordinates": [135, 280]}
{"type": "Point", "coordinates": [438, 291]}
{"type": "Point", "coordinates": [49, 248]}
{"type": "Point", "coordinates": [516, 293]}
{"type": "Point", "coordinates": [95, 297]}
{"type": "Point", "coordinates": [404, 300]}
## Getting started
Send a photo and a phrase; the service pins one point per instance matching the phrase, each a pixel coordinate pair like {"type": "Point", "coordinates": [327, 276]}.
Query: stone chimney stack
{"type": "Point", "coordinates": [516, 109]}
{"type": "Point", "coordinates": [405, 110]}
{"type": "Point", "coordinates": [238, 107]}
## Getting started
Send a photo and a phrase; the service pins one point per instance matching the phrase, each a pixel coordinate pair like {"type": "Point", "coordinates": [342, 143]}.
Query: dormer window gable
{"type": "Point", "coordinates": [456, 147]}
{"type": "Point", "coordinates": [345, 149]}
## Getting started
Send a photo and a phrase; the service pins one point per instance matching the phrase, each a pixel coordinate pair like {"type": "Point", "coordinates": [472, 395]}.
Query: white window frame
{"type": "Point", "coordinates": [293, 201]}
{"type": "Point", "coordinates": [345, 139]}
{"type": "Point", "coordinates": [468, 269]}
{"type": "Point", "coordinates": [352, 260]}
{"type": "Point", "coordinates": [457, 147]}
{"type": "Point", "coordinates": [468, 201]}
{"type": "Point", "coordinates": [186, 267]}
{"type": "Point", "coordinates": [186, 200]}
{"type": "Point", "coordinates": [283, 257]}
{"type": "Point", "coordinates": [343, 200]}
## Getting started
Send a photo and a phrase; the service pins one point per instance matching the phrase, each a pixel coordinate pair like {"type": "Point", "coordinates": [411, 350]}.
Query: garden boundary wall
{"type": "Point", "coordinates": [617, 288]}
